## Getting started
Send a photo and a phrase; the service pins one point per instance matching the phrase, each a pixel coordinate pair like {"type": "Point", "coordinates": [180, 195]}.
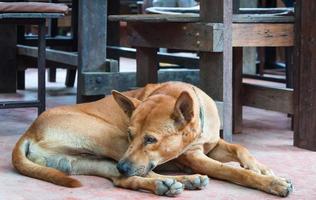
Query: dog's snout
{"type": "Point", "coordinates": [124, 167]}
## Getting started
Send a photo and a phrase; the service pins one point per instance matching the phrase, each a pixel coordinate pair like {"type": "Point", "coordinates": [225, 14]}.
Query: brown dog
{"type": "Point", "coordinates": [140, 129]}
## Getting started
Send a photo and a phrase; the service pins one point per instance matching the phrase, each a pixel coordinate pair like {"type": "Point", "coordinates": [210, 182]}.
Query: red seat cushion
{"type": "Point", "coordinates": [33, 7]}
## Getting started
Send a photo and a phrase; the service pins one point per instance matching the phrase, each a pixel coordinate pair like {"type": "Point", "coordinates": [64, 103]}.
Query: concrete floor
{"type": "Point", "coordinates": [266, 134]}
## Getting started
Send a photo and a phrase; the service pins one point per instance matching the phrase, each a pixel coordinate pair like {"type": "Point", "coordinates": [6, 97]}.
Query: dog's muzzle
{"type": "Point", "coordinates": [125, 167]}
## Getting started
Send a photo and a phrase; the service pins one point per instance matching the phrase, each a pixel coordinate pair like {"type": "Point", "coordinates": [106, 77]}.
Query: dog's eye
{"type": "Point", "coordinates": [148, 139]}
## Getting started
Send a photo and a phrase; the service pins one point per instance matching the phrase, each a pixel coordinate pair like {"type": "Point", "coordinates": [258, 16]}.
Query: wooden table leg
{"type": "Point", "coordinates": [147, 66]}
{"type": "Point", "coordinates": [8, 64]}
{"type": "Point", "coordinates": [41, 64]}
{"type": "Point", "coordinates": [216, 68]}
{"type": "Point", "coordinates": [237, 88]}
{"type": "Point", "coordinates": [92, 23]}
{"type": "Point", "coordinates": [305, 75]}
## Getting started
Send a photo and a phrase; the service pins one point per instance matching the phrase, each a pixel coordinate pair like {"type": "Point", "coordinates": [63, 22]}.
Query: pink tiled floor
{"type": "Point", "coordinates": [266, 134]}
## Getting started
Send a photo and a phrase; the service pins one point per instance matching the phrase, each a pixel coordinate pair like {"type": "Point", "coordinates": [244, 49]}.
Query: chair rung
{"type": "Point", "coordinates": [19, 104]}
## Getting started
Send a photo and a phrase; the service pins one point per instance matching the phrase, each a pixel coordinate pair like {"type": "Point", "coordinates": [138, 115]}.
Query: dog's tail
{"type": "Point", "coordinates": [31, 169]}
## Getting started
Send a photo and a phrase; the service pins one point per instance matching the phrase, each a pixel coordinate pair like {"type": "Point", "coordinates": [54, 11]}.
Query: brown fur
{"type": "Point", "coordinates": [159, 124]}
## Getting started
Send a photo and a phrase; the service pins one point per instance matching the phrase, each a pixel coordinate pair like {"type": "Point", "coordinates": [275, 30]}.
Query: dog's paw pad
{"type": "Point", "coordinates": [198, 182]}
{"type": "Point", "coordinates": [168, 187]}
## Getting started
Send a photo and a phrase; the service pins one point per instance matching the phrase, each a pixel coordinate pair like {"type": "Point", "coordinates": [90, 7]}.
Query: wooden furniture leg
{"type": "Point", "coordinates": [52, 74]}
{"type": "Point", "coordinates": [21, 79]}
{"type": "Point", "coordinates": [147, 66]}
{"type": "Point", "coordinates": [41, 64]}
{"type": "Point", "coordinates": [305, 75]}
{"type": "Point", "coordinates": [70, 77]}
{"type": "Point", "coordinates": [8, 65]}
{"type": "Point", "coordinates": [216, 68]}
{"type": "Point", "coordinates": [91, 44]}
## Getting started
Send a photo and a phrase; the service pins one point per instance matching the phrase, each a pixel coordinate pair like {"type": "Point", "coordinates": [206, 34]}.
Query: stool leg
{"type": "Point", "coordinates": [41, 64]}
{"type": "Point", "coordinates": [147, 66]}
{"type": "Point", "coordinates": [52, 75]}
{"type": "Point", "coordinates": [21, 79]}
{"type": "Point", "coordinates": [70, 77]}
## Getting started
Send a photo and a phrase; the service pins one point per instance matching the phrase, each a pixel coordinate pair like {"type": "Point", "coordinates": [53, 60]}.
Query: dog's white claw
{"type": "Point", "coordinates": [168, 187]}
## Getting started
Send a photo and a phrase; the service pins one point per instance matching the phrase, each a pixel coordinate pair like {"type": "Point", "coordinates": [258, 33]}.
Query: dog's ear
{"type": "Point", "coordinates": [183, 110]}
{"type": "Point", "coordinates": [127, 104]}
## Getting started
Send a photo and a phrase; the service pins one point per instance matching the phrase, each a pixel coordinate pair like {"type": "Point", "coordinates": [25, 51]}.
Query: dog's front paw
{"type": "Point", "coordinates": [196, 182]}
{"type": "Point", "coordinates": [168, 187]}
{"type": "Point", "coordinates": [281, 187]}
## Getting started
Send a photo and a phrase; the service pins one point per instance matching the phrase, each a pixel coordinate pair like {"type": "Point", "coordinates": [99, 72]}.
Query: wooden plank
{"type": "Point", "coordinates": [252, 10]}
{"type": "Point", "coordinates": [208, 37]}
{"type": "Point", "coordinates": [64, 57]}
{"type": "Point", "coordinates": [155, 18]}
{"type": "Point", "coordinates": [104, 82]}
{"type": "Point", "coordinates": [305, 75]}
{"type": "Point", "coordinates": [147, 66]}
{"type": "Point", "coordinates": [192, 36]}
{"type": "Point", "coordinates": [276, 99]}
{"type": "Point", "coordinates": [216, 68]}
{"type": "Point", "coordinates": [263, 35]}
{"type": "Point", "coordinates": [191, 18]}
{"type": "Point", "coordinates": [8, 65]}
{"type": "Point", "coordinates": [262, 18]}
{"type": "Point", "coordinates": [56, 41]}
{"type": "Point", "coordinates": [30, 15]}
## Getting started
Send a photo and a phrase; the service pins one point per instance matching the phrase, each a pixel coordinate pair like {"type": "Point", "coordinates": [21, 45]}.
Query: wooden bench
{"type": "Point", "coordinates": [192, 32]}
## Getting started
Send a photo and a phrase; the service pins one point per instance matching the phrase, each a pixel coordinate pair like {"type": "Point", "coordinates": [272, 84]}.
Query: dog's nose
{"type": "Point", "coordinates": [124, 167]}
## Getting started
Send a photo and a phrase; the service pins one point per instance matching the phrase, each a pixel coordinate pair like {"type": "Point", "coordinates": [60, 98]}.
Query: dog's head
{"type": "Point", "coordinates": [160, 129]}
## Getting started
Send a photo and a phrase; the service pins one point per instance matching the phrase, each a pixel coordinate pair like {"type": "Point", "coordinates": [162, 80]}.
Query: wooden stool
{"type": "Point", "coordinates": [32, 13]}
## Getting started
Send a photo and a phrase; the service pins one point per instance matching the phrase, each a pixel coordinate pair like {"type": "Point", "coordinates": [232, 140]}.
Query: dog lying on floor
{"type": "Point", "coordinates": [123, 137]}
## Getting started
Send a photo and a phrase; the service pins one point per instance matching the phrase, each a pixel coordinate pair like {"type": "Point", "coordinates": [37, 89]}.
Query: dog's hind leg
{"type": "Point", "coordinates": [190, 182]}
{"type": "Point", "coordinates": [201, 163]}
{"type": "Point", "coordinates": [226, 152]}
{"type": "Point", "coordinates": [107, 169]}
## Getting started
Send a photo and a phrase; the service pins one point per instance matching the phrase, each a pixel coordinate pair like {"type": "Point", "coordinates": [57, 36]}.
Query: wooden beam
{"type": "Point", "coordinates": [208, 37]}
{"type": "Point", "coordinates": [64, 57]}
{"type": "Point", "coordinates": [104, 82]}
{"type": "Point", "coordinates": [147, 66]}
{"type": "Point", "coordinates": [260, 17]}
{"type": "Point", "coordinates": [156, 18]}
{"type": "Point", "coordinates": [92, 23]}
{"type": "Point", "coordinates": [263, 35]}
{"type": "Point", "coordinates": [216, 68]}
{"type": "Point", "coordinates": [276, 99]}
{"type": "Point", "coordinates": [188, 36]}
{"type": "Point", "coordinates": [305, 75]}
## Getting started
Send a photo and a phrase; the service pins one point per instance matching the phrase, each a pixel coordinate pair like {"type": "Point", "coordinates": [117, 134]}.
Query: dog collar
{"type": "Point", "coordinates": [201, 111]}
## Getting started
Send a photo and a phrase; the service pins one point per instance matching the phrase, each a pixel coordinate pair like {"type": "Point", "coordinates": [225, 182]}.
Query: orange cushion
{"type": "Point", "coordinates": [33, 7]}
